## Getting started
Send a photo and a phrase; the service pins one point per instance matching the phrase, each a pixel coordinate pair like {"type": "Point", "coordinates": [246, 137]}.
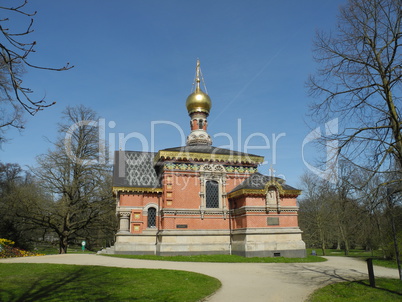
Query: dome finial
{"type": "Point", "coordinates": [197, 76]}
{"type": "Point", "coordinates": [198, 79]}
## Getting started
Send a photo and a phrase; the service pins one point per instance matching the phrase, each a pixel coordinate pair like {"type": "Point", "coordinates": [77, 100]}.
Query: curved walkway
{"type": "Point", "coordinates": [242, 281]}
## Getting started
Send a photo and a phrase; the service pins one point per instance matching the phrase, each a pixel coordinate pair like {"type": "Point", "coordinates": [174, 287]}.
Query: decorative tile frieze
{"type": "Point", "coordinates": [163, 155]}
{"type": "Point", "coordinates": [262, 192]}
{"type": "Point", "coordinates": [196, 167]}
{"type": "Point", "coordinates": [136, 190]}
{"type": "Point", "coordinates": [172, 212]}
{"type": "Point", "coordinates": [268, 209]}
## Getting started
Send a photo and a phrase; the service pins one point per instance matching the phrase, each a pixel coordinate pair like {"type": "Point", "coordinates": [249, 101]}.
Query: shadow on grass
{"type": "Point", "coordinates": [324, 275]}
{"type": "Point", "coordinates": [366, 283]}
{"type": "Point", "coordinates": [70, 286]}
{"type": "Point", "coordinates": [60, 282]}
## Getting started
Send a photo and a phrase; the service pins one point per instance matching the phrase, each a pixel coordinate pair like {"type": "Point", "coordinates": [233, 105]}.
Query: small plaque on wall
{"type": "Point", "coordinates": [181, 226]}
{"type": "Point", "coordinates": [273, 220]}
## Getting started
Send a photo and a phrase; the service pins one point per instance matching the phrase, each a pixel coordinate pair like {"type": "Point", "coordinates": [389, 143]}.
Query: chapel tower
{"type": "Point", "coordinates": [198, 106]}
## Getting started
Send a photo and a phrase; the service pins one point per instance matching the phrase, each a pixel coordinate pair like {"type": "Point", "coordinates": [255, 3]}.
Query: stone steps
{"type": "Point", "coordinates": [108, 250]}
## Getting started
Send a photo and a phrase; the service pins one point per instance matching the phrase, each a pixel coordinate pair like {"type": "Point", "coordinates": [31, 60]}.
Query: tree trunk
{"type": "Point", "coordinates": [395, 240]}
{"type": "Point", "coordinates": [345, 240]}
{"type": "Point", "coordinates": [322, 243]}
{"type": "Point", "coordinates": [346, 247]}
{"type": "Point", "coordinates": [398, 260]}
{"type": "Point", "coordinates": [63, 242]}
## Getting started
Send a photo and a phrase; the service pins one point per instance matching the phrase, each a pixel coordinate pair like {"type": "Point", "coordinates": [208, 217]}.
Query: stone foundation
{"type": "Point", "coordinates": [141, 244]}
{"type": "Point", "coordinates": [200, 242]}
{"type": "Point", "coordinates": [267, 242]}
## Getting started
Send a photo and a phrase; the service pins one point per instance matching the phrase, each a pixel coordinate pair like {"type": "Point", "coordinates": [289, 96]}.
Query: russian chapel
{"type": "Point", "coordinates": [201, 199]}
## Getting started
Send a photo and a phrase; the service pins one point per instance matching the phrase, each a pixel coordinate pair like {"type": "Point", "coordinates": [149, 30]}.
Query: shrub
{"type": "Point", "coordinates": [7, 250]}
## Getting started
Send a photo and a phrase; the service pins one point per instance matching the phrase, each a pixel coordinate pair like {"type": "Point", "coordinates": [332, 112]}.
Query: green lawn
{"type": "Point", "coordinates": [361, 254]}
{"type": "Point", "coordinates": [387, 290]}
{"type": "Point", "coordinates": [56, 282]}
{"type": "Point", "coordinates": [48, 249]}
{"type": "Point", "coordinates": [224, 258]}
{"type": "Point", "coordinates": [352, 253]}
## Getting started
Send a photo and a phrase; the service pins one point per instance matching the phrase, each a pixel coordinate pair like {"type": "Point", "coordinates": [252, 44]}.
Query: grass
{"type": "Point", "coordinates": [361, 254]}
{"type": "Point", "coordinates": [360, 291]}
{"type": "Point", "coordinates": [57, 282]}
{"type": "Point", "coordinates": [352, 253]}
{"type": "Point", "coordinates": [224, 258]}
{"type": "Point", "coordinates": [385, 263]}
{"type": "Point", "coordinates": [48, 250]}
{"type": "Point", "coordinates": [52, 249]}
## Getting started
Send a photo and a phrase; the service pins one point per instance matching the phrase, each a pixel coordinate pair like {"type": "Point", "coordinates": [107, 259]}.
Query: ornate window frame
{"type": "Point", "coordinates": [273, 195]}
{"type": "Point", "coordinates": [213, 172]}
{"type": "Point", "coordinates": [145, 210]}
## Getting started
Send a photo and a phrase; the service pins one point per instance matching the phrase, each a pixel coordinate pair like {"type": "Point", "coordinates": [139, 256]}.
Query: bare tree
{"type": "Point", "coordinates": [15, 99]}
{"type": "Point", "coordinates": [331, 215]}
{"type": "Point", "coordinates": [392, 199]}
{"type": "Point", "coordinates": [315, 215]}
{"type": "Point", "coordinates": [359, 82]}
{"type": "Point", "coordinates": [76, 180]}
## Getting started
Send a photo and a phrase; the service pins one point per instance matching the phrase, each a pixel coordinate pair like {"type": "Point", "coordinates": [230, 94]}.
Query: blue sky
{"type": "Point", "coordinates": [135, 61]}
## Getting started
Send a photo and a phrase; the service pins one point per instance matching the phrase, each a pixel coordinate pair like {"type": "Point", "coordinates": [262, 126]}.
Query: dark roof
{"type": "Point", "coordinates": [257, 181]}
{"type": "Point", "coordinates": [209, 150]}
{"type": "Point", "coordinates": [135, 169]}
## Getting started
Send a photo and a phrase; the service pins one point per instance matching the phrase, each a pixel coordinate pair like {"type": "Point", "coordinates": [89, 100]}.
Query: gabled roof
{"type": "Point", "coordinates": [207, 153]}
{"type": "Point", "coordinates": [257, 184]}
{"type": "Point", "coordinates": [134, 171]}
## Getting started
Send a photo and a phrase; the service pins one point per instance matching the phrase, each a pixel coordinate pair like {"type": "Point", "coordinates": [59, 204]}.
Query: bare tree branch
{"type": "Point", "coordinates": [359, 79]}
{"type": "Point", "coordinates": [14, 60]}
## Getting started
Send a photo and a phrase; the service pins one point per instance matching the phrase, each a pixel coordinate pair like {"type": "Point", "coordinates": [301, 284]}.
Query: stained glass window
{"type": "Point", "coordinates": [212, 194]}
{"type": "Point", "coordinates": [151, 217]}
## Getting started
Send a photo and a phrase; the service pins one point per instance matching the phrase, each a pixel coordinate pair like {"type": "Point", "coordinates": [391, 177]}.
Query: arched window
{"type": "Point", "coordinates": [212, 194]}
{"type": "Point", "coordinates": [151, 217]}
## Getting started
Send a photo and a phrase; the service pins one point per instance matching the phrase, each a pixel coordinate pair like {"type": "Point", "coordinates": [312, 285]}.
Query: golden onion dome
{"type": "Point", "coordinates": [198, 101]}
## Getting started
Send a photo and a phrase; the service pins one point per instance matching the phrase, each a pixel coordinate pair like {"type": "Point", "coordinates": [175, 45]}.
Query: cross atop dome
{"type": "Point", "coordinates": [198, 106]}
{"type": "Point", "coordinates": [198, 100]}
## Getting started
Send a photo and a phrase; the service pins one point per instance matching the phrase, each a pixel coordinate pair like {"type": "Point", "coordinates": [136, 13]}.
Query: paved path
{"type": "Point", "coordinates": [250, 282]}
